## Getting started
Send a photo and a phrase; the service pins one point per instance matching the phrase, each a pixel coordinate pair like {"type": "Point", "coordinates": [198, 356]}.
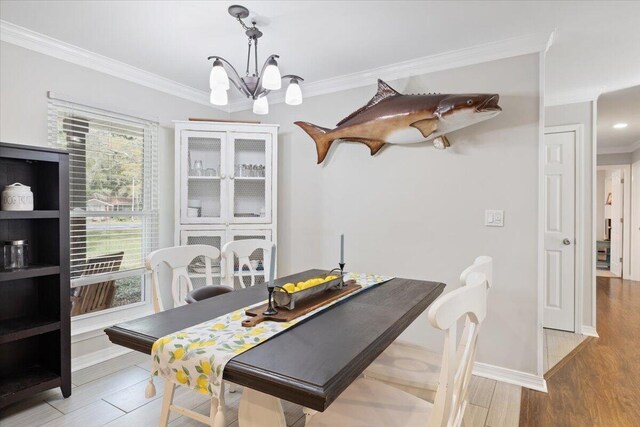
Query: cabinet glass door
{"type": "Point", "coordinates": [203, 198]}
{"type": "Point", "coordinates": [251, 178]}
{"type": "Point", "coordinates": [257, 258]}
{"type": "Point", "coordinates": [196, 269]}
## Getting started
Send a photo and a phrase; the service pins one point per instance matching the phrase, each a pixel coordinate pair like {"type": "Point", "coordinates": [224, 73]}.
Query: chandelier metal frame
{"type": "Point", "coordinates": [252, 84]}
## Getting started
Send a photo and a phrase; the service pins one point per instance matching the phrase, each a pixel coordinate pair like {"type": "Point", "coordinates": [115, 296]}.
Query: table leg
{"type": "Point", "coordinates": [260, 410]}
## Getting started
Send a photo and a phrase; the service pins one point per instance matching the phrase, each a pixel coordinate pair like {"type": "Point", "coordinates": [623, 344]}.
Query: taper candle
{"type": "Point", "coordinates": [342, 249]}
{"type": "Point", "coordinates": [272, 269]}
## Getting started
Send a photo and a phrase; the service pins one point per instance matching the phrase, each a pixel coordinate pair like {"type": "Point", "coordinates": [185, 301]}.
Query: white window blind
{"type": "Point", "coordinates": [113, 168]}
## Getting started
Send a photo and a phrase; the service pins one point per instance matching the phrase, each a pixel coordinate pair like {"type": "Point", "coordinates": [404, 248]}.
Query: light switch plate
{"type": "Point", "coordinates": [494, 218]}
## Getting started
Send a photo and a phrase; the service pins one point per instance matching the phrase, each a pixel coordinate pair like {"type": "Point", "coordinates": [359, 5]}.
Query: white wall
{"type": "Point", "coordinates": [25, 78]}
{"type": "Point", "coordinates": [614, 159]}
{"type": "Point", "coordinates": [582, 113]}
{"type": "Point", "coordinates": [414, 211]}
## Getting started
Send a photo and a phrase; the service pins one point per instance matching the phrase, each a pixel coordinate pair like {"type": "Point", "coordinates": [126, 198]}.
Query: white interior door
{"type": "Point", "coordinates": [617, 194]}
{"type": "Point", "coordinates": [559, 230]}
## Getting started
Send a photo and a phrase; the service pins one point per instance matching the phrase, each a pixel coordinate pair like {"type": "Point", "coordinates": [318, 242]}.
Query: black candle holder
{"type": "Point", "coordinates": [341, 269]}
{"type": "Point", "coordinates": [271, 310]}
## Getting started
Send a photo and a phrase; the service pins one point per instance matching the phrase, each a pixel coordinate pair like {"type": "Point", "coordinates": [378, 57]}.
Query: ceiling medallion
{"type": "Point", "coordinates": [253, 85]}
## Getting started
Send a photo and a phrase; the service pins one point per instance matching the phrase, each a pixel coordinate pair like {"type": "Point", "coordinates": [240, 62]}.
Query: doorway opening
{"type": "Point", "coordinates": [613, 220]}
{"type": "Point", "coordinates": [617, 192]}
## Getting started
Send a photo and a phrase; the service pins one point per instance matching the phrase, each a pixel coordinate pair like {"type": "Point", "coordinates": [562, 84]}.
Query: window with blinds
{"type": "Point", "coordinates": [114, 203]}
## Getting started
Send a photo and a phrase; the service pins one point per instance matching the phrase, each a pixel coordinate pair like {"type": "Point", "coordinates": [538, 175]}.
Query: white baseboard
{"type": "Point", "coordinates": [590, 331]}
{"type": "Point", "coordinates": [96, 357]}
{"type": "Point", "coordinates": [510, 376]}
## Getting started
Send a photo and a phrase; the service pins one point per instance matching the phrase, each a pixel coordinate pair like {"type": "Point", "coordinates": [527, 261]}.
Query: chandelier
{"type": "Point", "coordinates": [253, 85]}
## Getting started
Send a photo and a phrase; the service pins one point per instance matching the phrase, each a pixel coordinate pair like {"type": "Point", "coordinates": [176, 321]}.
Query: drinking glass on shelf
{"type": "Point", "coordinates": [197, 168]}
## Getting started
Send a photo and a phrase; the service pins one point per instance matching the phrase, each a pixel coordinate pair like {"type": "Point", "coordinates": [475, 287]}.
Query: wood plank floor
{"type": "Point", "coordinates": [600, 385]}
{"type": "Point", "coordinates": [112, 394]}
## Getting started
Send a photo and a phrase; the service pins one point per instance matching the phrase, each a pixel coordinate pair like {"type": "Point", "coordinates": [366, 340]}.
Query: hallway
{"type": "Point", "coordinates": [600, 385]}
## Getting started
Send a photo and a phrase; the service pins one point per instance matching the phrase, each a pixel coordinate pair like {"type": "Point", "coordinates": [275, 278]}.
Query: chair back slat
{"type": "Point", "coordinates": [470, 303]}
{"type": "Point", "coordinates": [178, 259]}
{"type": "Point", "coordinates": [482, 264]}
{"type": "Point", "coordinates": [242, 250]}
{"type": "Point", "coordinates": [97, 296]}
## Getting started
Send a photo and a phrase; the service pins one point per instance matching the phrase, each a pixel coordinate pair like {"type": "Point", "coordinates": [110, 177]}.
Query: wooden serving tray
{"type": "Point", "coordinates": [303, 307]}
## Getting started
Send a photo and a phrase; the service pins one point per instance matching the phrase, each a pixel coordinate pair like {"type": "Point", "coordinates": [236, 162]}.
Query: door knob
{"type": "Point", "coordinates": [566, 241]}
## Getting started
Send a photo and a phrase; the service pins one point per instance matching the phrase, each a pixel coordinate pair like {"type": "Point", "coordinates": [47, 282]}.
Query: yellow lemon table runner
{"type": "Point", "coordinates": [195, 357]}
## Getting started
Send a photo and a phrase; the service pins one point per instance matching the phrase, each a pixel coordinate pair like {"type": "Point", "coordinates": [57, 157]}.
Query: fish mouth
{"type": "Point", "coordinates": [489, 104]}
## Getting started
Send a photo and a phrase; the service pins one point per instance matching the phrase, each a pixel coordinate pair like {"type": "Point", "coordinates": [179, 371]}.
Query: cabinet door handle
{"type": "Point", "coordinates": [231, 176]}
{"type": "Point", "coordinates": [566, 241]}
{"type": "Point", "coordinates": [223, 176]}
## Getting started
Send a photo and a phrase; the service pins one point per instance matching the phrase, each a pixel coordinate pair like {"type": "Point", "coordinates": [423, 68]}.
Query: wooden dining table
{"type": "Point", "coordinates": [313, 362]}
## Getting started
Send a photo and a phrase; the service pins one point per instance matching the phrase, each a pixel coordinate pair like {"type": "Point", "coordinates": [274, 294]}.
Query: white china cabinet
{"type": "Point", "coordinates": [226, 186]}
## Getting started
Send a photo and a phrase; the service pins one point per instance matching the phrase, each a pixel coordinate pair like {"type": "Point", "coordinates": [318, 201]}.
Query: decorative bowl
{"type": "Point", "coordinates": [288, 300]}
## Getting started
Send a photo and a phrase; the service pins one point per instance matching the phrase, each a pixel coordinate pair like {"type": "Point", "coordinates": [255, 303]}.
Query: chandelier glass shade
{"type": "Point", "coordinates": [219, 96]}
{"type": "Point", "coordinates": [218, 77]}
{"type": "Point", "coordinates": [294, 93]}
{"type": "Point", "coordinates": [261, 105]}
{"type": "Point", "coordinates": [254, 85]}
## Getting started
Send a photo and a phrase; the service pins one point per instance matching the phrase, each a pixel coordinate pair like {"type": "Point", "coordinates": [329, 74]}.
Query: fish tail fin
{"type": "Point", "coordinates": [321, 136]}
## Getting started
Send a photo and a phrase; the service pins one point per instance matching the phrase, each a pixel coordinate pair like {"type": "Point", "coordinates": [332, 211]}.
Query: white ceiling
{"type": "Point", "coordinates": [596, 44]}
{"type": "Point", "coordinates": [622, 106]}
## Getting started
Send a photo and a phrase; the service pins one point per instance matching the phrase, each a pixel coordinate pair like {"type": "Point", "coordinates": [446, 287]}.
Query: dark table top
{"type": "Point", "coordinates": [313, 362]}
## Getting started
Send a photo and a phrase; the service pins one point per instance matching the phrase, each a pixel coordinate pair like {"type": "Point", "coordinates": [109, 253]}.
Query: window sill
{"type": "Point", "coordinates": [98, 322]}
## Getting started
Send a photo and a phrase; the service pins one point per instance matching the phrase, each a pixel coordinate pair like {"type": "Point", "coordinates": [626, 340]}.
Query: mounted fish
{"type": "Point", "coordinates": [393, 118]}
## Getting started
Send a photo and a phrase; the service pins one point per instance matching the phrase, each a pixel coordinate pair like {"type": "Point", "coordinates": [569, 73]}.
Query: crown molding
{"type": "Point", "coordinates": [572, 98]}
{"type": "Point", "coordinates": [619, 149]}
{"type": "Point", "coordinates": [534, 43]}
{"type": "Point", "coordinates": [28, 39]}
{"type": "Point", "coordinates": [588, 95]}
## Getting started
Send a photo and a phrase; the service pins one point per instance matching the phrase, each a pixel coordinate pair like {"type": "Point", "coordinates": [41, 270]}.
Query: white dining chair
{"type": "Point", "coordinates": [413, 368]}
{"type": "Point", "coordinates": [242, 250]}
{"type": "Point", "coordinates": [178, 259]}
{"type": "Point", "coordinates": [372, 403]}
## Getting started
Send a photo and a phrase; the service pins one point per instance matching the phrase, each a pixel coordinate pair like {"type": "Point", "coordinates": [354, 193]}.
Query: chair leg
{"type": "Point", "coordinates": [232, 388]}
{"type": "Point", "coordinates": [167, 400]}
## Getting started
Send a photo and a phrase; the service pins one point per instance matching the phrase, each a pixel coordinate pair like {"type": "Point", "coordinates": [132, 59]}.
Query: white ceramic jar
{"type": "Point", "coordinates": [17, 197]}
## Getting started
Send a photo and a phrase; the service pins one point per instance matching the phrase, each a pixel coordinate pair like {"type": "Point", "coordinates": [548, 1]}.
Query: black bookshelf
{"type": "Point", "coordinates": [35, 342]}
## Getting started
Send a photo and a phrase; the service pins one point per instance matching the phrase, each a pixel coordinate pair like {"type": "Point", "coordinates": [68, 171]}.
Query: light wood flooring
{"type": "Point", "coordinates": [605, 273]}
{"type": "Point", "coordinates": [112, 394]}
{"type": "Point", "coordinates": [557, 345]}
